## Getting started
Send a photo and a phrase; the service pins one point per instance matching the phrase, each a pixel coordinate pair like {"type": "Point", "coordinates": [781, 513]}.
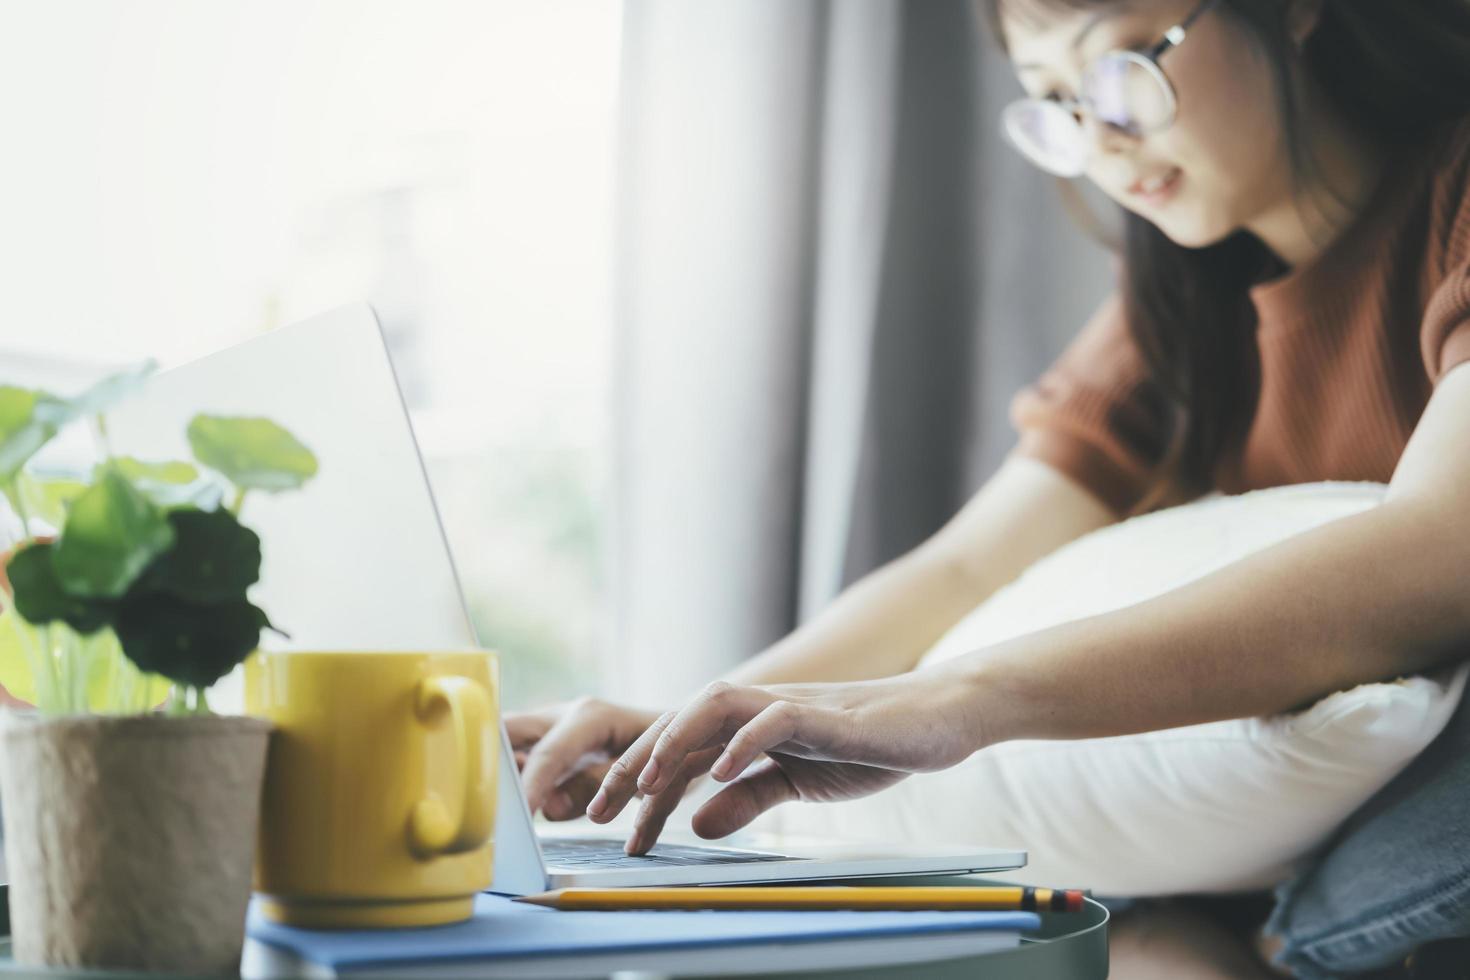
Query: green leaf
{"type": "Point", "coordinates": [28, 420]}
{"type": "Point", "coordinates": [112, 533]}
{"type": "Point", "coordinates": [253, 454]}
{"type": "Point", "coordinates": [188, 642]}
{"type": "Point", "coordinates": [174, 472]}
{"type": "Point", "coordinates": [47, 498]}
{"type": "Point", "coordinates": [40, 597]}
{"type": "Point", "coordinates": [168, 484]}
{"type": "Point", "coordinates": [110, 390]}
{"type": "Point", "coordinates": [213, 559]}
{"type": "Point", "coordinates": [15, 668]}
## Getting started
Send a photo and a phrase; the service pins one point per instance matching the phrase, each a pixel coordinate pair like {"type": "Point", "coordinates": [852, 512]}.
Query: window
{"type": "Point", "coordinates": [184, 175]}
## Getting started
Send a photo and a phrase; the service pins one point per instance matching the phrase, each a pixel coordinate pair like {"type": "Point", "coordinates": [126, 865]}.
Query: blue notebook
{"type": "Point", "coordinates": [511, 939]}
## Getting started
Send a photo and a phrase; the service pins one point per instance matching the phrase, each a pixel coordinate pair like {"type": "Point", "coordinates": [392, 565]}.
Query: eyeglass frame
{"type": "Point", "coordinates": [1147, 58]}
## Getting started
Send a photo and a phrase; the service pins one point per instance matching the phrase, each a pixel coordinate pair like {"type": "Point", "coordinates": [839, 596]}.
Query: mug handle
{"type": "Point", "coordinates": [432, 828]}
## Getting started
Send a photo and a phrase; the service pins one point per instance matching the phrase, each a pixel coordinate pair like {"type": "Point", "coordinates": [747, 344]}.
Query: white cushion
{"type": "Point", "coordinates": [1226, 806]}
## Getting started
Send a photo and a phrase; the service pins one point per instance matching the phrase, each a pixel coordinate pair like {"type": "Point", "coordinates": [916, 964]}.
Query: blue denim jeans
{"type": "Point", "coordinates": [1394, 877]}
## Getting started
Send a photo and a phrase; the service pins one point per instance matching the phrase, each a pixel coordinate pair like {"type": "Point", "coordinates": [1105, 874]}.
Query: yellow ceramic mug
{"type": "Point", "coordinates": [379, 797]}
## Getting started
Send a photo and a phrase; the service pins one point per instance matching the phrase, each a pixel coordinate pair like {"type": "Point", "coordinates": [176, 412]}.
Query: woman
{"type": "Point", "coordinates": [1294, 306]}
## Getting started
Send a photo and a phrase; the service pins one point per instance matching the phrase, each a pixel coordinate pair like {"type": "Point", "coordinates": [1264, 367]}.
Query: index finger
{"type": "Point", "coordinates": [618, 786]}
{"type": "Point", "coordinates": [718, 713]}
{"type": "Point", "coordinates": [653, 761]}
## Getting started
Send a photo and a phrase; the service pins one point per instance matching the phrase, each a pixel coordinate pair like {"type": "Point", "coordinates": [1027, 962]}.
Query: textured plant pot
{"type": "Point", "coordinates": [129, 840]}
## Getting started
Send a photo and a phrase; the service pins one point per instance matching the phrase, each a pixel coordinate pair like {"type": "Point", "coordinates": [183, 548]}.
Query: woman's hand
{"type": "Point", "coordinates": [564, 751]}
{"type": "Point", "coordinates": [814, 742]}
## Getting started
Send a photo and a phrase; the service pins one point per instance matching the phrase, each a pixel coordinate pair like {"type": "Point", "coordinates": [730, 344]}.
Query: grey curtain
{"type": "Point", "coordinates": [832, 277]}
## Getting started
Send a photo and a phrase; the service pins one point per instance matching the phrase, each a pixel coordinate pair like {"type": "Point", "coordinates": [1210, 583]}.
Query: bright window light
{"type": "Point", "coordinates": [182, 175]}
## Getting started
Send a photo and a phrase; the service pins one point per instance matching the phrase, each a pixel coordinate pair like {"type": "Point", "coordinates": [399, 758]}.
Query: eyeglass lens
{"type": "Point", "coordinates": [1126, 90]}
{"type": "Point", "coordinates": [1121, 89]}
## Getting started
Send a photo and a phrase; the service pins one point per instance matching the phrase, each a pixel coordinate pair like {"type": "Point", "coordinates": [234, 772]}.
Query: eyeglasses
{"type": "Point", "coordinates": [1126, 90]}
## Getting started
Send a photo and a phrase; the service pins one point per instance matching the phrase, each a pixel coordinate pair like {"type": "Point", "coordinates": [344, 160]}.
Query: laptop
{"type": "Point", "coordinates": [358, 559]}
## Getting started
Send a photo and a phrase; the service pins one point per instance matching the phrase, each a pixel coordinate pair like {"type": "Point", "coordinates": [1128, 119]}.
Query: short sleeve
{"type": "Point", "coordinates": [1096, 414]}
{"type": "Point", "coordinates": [1445, 340]}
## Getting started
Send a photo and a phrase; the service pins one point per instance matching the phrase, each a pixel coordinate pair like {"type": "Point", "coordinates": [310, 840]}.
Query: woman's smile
{"type": "Point", "coordinates": [1157, 189]}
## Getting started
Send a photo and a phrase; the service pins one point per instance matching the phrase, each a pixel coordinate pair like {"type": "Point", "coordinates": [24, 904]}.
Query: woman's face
{"type": "Point", "coordinates": [1221, 165]}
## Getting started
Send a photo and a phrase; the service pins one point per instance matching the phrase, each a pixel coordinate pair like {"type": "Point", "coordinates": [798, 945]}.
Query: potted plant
{"type": "Point", "coordinates": [130, 809]}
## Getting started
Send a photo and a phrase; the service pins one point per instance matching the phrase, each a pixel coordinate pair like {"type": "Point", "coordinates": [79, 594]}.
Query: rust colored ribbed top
{"type": "Point", "coordinates": [1350, 346]}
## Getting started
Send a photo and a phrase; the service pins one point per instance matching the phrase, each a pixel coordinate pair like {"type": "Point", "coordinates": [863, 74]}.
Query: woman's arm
{"type": "Point", "coordinates": [1369, 597]}
{"type": "Point", "coordinates": [884, 623]}
{"type": "Point", "coordinates": [1362, 599]}
{"type": "Point", "coordinates": [878, 627]}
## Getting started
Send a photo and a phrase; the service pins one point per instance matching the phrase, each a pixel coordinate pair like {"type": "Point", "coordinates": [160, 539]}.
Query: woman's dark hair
{"type": "Point", "coordinates": [1396, 70]}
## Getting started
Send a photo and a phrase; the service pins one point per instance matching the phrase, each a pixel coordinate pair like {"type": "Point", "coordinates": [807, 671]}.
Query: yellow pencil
{"type": "Point", "coordinates": [890, 898]}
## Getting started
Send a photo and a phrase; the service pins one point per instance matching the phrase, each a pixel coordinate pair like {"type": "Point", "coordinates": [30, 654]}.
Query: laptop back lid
{"type": "Point", "coordinates": [357, 559]}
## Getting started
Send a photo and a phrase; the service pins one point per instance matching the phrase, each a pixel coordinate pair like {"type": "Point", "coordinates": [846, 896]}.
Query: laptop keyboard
{"type": "Point", "coordinates": [582, 853]}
